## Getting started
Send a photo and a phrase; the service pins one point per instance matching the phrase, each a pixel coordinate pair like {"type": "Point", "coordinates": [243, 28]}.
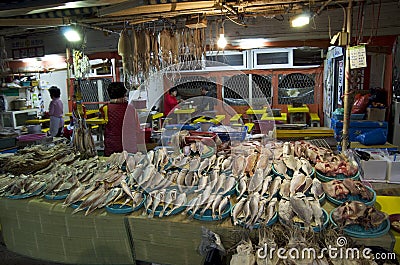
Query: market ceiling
{"type": "Point", "coordinates": [23, 17]}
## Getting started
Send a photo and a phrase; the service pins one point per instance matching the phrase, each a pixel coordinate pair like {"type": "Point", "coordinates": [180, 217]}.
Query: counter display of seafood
{"type": "Point", "coordinates": [255, 184]}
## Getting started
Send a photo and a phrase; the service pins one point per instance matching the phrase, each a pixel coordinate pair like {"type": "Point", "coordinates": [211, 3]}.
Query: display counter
{"type": "Point", "coordinates": [43, 229]}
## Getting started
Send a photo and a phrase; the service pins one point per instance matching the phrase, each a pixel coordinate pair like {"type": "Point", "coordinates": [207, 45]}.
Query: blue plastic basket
{"type": "Point", "coordinates": [208, 214]}
{"type": "Point", "coordinates": [179, 127]}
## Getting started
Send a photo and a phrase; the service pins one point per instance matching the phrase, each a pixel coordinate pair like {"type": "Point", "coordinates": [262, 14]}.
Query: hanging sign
{"type": "Point", "coordinates": [27, 48]}
{"type": "Point", "coordinates": [340, 80]}
{"type": "Point", "coordinates": [358, 57]}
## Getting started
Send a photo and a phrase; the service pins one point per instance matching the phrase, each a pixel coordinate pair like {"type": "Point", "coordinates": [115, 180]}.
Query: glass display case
{"type": "Point", "coordinates": [16, 119]}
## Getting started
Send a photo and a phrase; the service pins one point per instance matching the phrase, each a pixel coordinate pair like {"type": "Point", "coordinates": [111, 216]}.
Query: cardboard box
{"type": "Point", "coordinates": [375, 168]}
{"type": "Point", "coordinates": [376, 114]}
{"type": "Point", "coordinates": [393, 170]}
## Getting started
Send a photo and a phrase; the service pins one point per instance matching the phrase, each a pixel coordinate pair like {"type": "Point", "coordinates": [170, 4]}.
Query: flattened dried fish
{"type": "Point", "coordinates": [180, 201]}
{"type": "Point", "coordinates": [256, 181]}
{"type": "Point", "coordinates": [265, 186]}
{"type": "Point", "coordinates": [237, 210]}
{"type": "Point", "coordinates": [242, 187]}
{"type": "Point", "coordinates": [280, 167]}
{"type": "Point", "coordinates": [169, 198]}
{"type": "Point", "coordinates": [223, 204]}
{"type": "Point", "coordinates": [275, 186]}
{"type": "Point", "coordinates": [317, 211]}
{"type": "Point", "coordinates": [203, 165]}
{"type": "Point", "coordinates": [301, 206]}
{"type": "Point", "coordinates": [316, 188]}
{"type": "Point", "coordinates": [297, 182]}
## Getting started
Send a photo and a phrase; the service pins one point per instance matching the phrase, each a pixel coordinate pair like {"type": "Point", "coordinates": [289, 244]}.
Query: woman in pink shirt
{"type": "Point", "coordinates": [56, 112]}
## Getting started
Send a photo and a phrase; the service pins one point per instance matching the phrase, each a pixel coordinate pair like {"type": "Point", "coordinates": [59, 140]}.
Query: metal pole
{"type": "Point", "coordinates": [346, 118]}
{"type": "Point", "coordinates": [68, 55]}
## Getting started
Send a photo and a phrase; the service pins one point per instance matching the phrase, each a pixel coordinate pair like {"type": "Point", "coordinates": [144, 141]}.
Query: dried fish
{"type": "Point", "coordinates": [265, 186]}
{"type": "Point", "coordinates": [256, 181]}
{"type": "Point", "coordinates": [237, 210]}
{"type": "Point", "coordinates": [316, 188]}
{"type": "Point", "coordinates": [179, 202]}
{"type": "Point", "coordinates": [169, 198]}
{"type": "Point", "coordinates": [275, 186]}
{"type": "Point", "coordinates": [159, 197]}
{"type": "Point", "coordinates": [301, 206]}
{"type": "Point", "coordinates": [223, 204]}
{"type": "Point", "coordinates": [242, 187]}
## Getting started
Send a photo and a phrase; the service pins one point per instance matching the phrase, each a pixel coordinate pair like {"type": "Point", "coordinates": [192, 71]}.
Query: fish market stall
{"type": "Point", "coordinates": [149, 205]}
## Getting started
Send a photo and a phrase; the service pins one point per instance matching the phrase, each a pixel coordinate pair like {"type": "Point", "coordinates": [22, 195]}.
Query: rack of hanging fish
{"type": "Point", "coordinates": [255, 184]}
{"type": "Point", "coordinates": [145, 50]}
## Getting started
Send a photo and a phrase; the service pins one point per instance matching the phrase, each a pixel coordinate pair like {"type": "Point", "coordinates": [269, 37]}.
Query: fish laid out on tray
{"type": "Point", "coordinates": [289, 165]}
{"type": "Point", "coordinates": [302, 184]}
{"type": "Point", "coordinates": [336, 167]}
{"type": "Point", "coordinates": [164, 203]}
{"type": "Point", "coordinates": [217, 207]}
{"type": "Point", "coordinates": [24, 187]}
{"type": "Point", "coordinates": [357, 213]}
{"type": "Point", "coordinates": [260, 182]}
{"type": "Point", "coordinates": [254, 210]}
{"type": "Point", "coordinates": [34, 158]}
{"type": "Point", "coordinates": [339, 191]}
{"type": "Point", "coordinates": [306, 211]}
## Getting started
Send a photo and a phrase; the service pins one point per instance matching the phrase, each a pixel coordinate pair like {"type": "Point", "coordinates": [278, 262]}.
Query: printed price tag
{"type": "Point", "coordinates": [358, 57]}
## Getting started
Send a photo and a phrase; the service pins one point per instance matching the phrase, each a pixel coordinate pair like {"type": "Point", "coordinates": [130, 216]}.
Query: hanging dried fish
{"type": "Point", "coordinates": [174, 49]}
{"type": "Point", "coordinates": [124, 47]}
{"type": "Point", "coordinates": [134, 52]}
{"type": "Point", "coordinates": [154, 49]}
{"type": "Point", "coordinates": [146, 55]}
{"type": "Point", "coordinates": [165, 44]}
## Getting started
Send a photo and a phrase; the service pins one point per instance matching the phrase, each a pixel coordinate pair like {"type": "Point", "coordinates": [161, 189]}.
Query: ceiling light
{"type": "Point", "coordinates": [301, 20]}
{"type": "Point", "coordinates": [222, 40]}
{"type": "Point", "coordinates": [72, 35]}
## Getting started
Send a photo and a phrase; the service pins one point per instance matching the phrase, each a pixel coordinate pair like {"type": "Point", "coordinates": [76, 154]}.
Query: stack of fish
{"type": "Point", "coordinates": [21, 186]}
{"type": "Point", "coordinates": [253, 210]}
{"type": "Point", "coordinates": [354, 212]}
{"type": "Point", "coordinates": [340, 189]}
{"type": "Point", "coordinates": [299, 192]}
{"type": "Point", "coordinates": [301, 209]}
{"type": "Point", "coordinates": [265, 185]}
{"type": "Point", "coordinates": [33, 158]}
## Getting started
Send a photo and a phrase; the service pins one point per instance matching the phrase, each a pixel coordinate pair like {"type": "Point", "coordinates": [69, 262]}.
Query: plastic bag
{"type": "Point", "coordinates": [360, 104]}
{"type": "Point", "coordinates": [244, 255]}
{"type": "Point", "coordinates": [373, 137]}
{"type": "Point", "coordinates": [211, 247]}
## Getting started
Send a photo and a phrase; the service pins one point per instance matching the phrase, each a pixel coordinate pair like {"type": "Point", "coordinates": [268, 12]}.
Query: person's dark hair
{"type": "Point", "coordinates": [54, 92]}
{"type": "Point", "coordinates": [206, 88]}
{"type": "Point", "coordinates": [173, 89]}
{"type": "Point", "coordinates": [116, 90]}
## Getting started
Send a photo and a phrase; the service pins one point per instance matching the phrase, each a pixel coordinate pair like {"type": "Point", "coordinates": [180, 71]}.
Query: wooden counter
{"type": "Point", "coordinates": [43, 229]}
